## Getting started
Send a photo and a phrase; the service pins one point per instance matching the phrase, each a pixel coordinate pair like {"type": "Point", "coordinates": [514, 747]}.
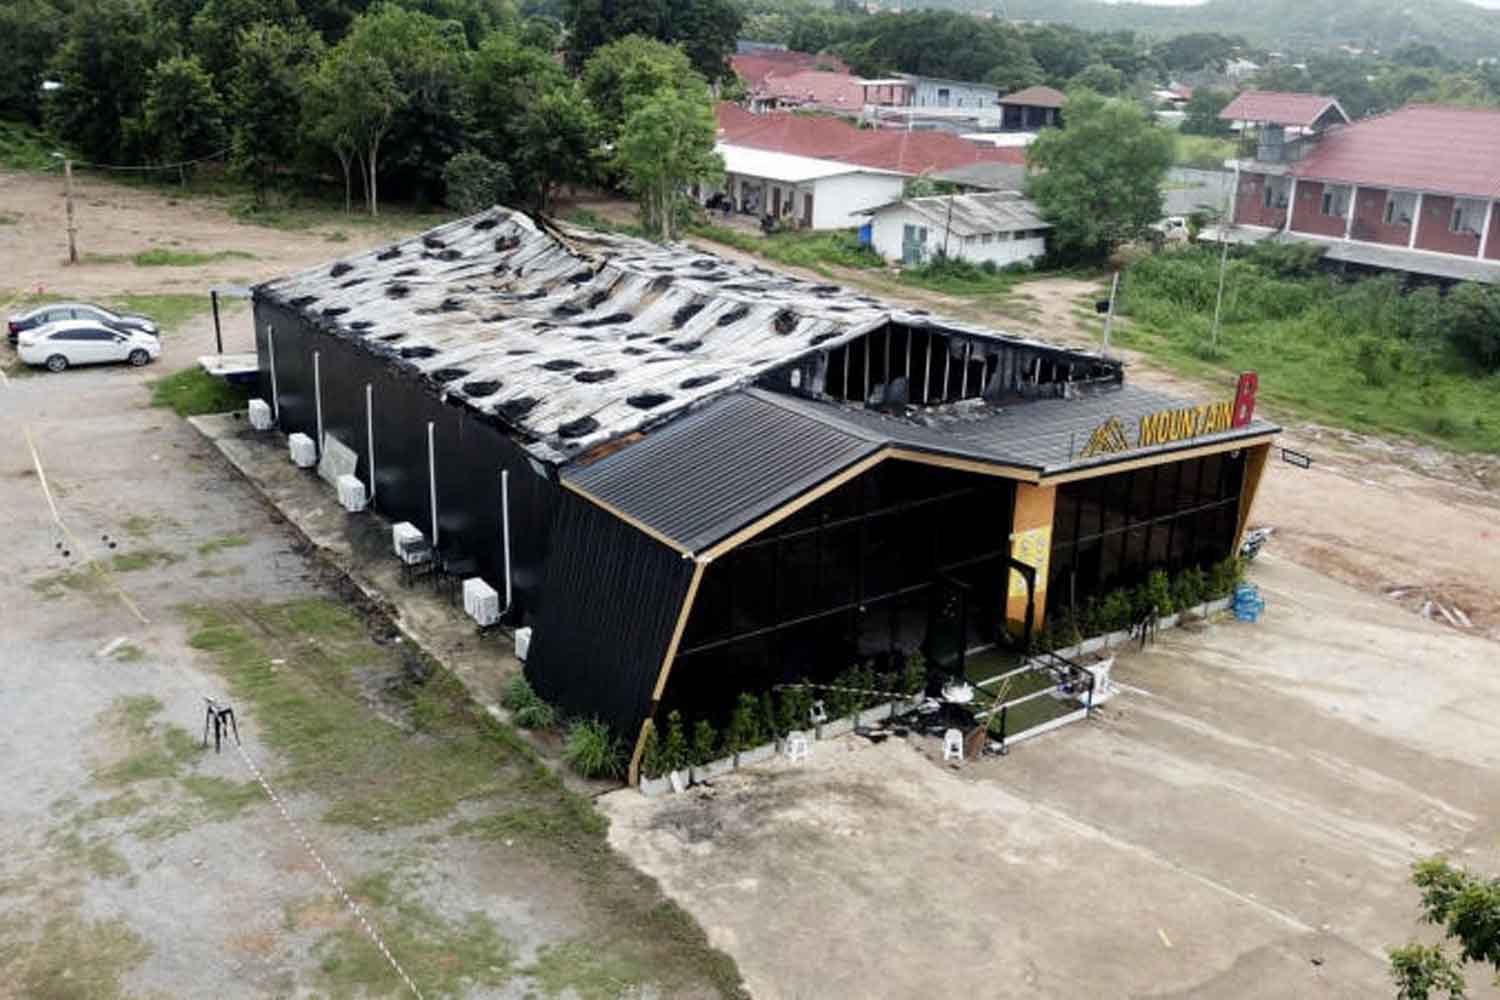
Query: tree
{"type": "Point", "coordinates": [348, 107]}
{"type": "Point", "coordinates": [1101, 78]}
{"type": "Point", "coordinates": [110, 48]}
{"type": "Point", "coordinates": [184, 118]}
{"type": "Point", "coordinates": [1467, 907]}
{"type": "Point", "coordinates": [1098, 181]}
{"type": "Point", "coordinates": [1203, 112]}
{"type": "Point", "coordinates": [666, 144]}
{"type": "Point", "coordinates": [1195, 51]}
{"type": "Point", "coordinates": [529, 114]}
{"type": "Point", "coordinates": [706, 29]}
{"type": "Point", "coordinates": [628, 70]}
{"type": "Point", "coordinates": [265, 94]}
{"type": "Point", "coordinates": [215, 29]}
{"type": "Point", "coordinates": [29, 33]}
{"type": "Point", "coordinates": [475, 182]}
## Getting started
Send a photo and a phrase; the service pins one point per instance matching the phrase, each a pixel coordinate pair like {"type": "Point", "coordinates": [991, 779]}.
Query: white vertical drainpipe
{"type": "Point", "coordinates": [432, 481]}
{"type": "Point", "coordinates": [1416, 222]}
{"type": "Point", "coordinates": [370, 435]}
{"type": "Point", "coordinates": [1349, 214]}
{"type": "Point", "coordinates": [318, 399]}
{"type": "Point", "coordinates": [275, 396]}
{"type": "Point", "coordinates": [1291, 206]}
{"type": "Point", "coordinates": [1489, 224]}
{"type": "Point", "coordinates": [505, 532]}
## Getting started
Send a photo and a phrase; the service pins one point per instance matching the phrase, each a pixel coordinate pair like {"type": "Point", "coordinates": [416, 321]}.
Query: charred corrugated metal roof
{"type": "Point", "coordinates": [572, 337]}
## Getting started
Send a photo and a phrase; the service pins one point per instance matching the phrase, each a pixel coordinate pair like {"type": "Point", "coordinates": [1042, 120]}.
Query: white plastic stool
{"type": "Point", "coordinates": [953, 745]}
{"type": "Point", "coordinates": [797, 749]}
{"type": "Point", "coordinates": [817, 715]}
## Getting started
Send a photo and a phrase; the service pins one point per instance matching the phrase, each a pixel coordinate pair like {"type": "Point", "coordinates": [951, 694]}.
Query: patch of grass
{"type": "Point", "coordinates": [193, 392]}
{"type": "Point", "coordinates": [813, 250]}
{"type": "Point", "coordinates": [210, 573]}
{"type": "Point", "coordinates": [592, 750]}
{"type": "Point", "coordinates": [578, 969]}
{"type": "Point", "coordinates": [94, 856]}
{"type": "Point", "coordinates": [170, 309]}
{"type": "Point", "coordinates": [23, 147]}
{"type": "Point", "coordinates": [6, 219]}
{"type": "Point", "coordinates": [337, 236]}
{"type": "Point", "coordinates": [218, 544]}
{"type": "Point", "coordinates": [162, 257]}
{"type": "Point", "coordinates": [1203, 152]}
{"type": "Point", "coordinates": [131, 562]}
{"type": "Point", "coordinates": [299, 214]}
{"type": "Point", "coordinates": [959, 277]}
{"type": "Point", "coordinates": [592, 220]}
{"type": "Point", "coordinates": [219, 799]}
{"type": "Point", "coordinates": [152, 750]}
{"type": "Point", "coordinates": [129, 653]}
{"type": "Point", "coordinates": [69, 958]}
{"type": "Point", "coordinates": [83, 580]}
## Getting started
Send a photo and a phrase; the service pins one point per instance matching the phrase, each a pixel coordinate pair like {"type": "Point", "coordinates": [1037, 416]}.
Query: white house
{"type": "Point", "coordinates": [818, 194]}
{"type": "Point", "coordinates": [999, 226]}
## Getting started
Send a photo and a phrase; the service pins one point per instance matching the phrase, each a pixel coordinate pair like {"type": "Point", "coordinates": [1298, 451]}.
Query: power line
{"type": "Point", "coordinates": [151, 166]}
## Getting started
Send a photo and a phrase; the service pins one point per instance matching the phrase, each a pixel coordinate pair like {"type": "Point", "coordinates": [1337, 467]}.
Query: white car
{"type": "Point", "coordinates": [85, 342]}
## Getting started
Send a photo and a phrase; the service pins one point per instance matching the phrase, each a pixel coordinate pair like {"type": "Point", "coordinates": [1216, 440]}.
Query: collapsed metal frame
{"type": "Point", "coordinates": [1071, 680]}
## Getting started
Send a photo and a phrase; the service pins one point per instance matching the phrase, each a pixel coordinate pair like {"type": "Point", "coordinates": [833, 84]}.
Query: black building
{"type": "Point", "coordinates": [722, 477]}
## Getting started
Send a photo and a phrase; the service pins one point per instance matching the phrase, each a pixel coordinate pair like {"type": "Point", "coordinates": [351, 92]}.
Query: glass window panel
{"type": "Point", "coordinates": [882, 555]}
{"type": "Point", "coordinates": [1208, 487]}
{"type": "Point", "coordinates": [1142, 486]}
{"type": "Point", "coordinates": [838, 565]}
{"type": "Point", "coordinates": [1133, 562]}
{"type": "Point", "coordinates": [1115, 497]}
{"type": "Point", "coordinates": [1164, 497]}
{"type": "Point", "coordinates": [1110, 555]}
{"type": "Point", "coordinates": [1064, 524]}
{"type": "Point", "coordinates": [797, 577]}
{"type": "Point", "coordinates": [753, 589]}
{"type": "Point", "coordinates": [1187, 489]}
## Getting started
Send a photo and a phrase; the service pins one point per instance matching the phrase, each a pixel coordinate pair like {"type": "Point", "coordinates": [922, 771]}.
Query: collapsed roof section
{"type": "Point", "coordinates": [574, 338]}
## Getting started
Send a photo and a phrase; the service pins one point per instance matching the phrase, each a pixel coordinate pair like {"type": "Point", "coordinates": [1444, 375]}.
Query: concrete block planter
{"type": "Point", "coordinates": [834, 728]}
{"type": "Point", "coordinates": [1088, 646]}
{"type": "Point", "coordinates": [879, 713]}
{"type": "Point", "coordinates": [755, 755]}
{"type": "Point", "coordinates": [656, 787]}
{"type": "Point", "coordinates": [1168, 621]}
{"type": "Point", "coordinates": [713, 769]}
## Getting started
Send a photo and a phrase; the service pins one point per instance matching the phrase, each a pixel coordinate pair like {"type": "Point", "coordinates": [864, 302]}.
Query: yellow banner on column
{"type": "Point", "coordinates": [1034, 548]}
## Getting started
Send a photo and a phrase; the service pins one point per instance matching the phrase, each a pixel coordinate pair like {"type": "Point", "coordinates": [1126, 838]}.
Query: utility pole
{"type": "Point", "coordinates": [68, 198]}
{"type": "Point", "coordinates": [1219, 302]}
{"type": "Point", "coordinates": [1109, 317]}
{"type": "Point", "coordinates": [948, 225]}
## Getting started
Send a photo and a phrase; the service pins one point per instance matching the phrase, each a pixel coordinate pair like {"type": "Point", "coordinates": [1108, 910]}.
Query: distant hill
{"type": "Point", "coordinates": [1461, 29]}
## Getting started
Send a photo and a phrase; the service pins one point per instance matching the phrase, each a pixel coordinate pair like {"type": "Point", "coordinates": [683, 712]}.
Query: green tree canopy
{"type": "Point", "coordinates": [667, 143]}
{"type": "Point", "coordinates": [184, 117]}
{"type": "Point", "coordinates": [1466, 906]}
{"type": "Point", "coordinates": [1098, 181]}
{"type": "Point", "coordinates": [631, 69]}
{"type": "Point", "coordinates": [104, 65]}
{"type": "Point", "coordinates": [1203, 112]}
{"type": "Point", "coordinates": [349, 105]}
{"type": "Point", "coordinates": [265, 94]}
{"type": "Point", "coordinates": [30, 31]}
{"type": "Point", "coordinates": [706, 29]}
{"type": "Point", "coordinates": [216, 28]}
{"type": "Point", "coordinates": [1101, 78]}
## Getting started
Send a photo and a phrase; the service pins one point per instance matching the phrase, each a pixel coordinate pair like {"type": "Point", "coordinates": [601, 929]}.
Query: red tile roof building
{"type": "Point", "coordinates": [754, 67]}
{"type": "Point", "coordinates": [910, 153]}
{"type": "Point", "coordinates": [1423, 180]}
{"type": "Point", "coordinates": [1283, 108]}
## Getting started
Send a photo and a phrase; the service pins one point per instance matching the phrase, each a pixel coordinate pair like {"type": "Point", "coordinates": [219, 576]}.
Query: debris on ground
{"type": "Point", "coordinates": [1433, 605]}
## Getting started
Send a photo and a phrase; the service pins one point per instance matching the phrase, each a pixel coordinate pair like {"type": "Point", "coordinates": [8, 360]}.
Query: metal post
{"type": "Point", "coordinates": [68, 199]}
{"type": "Point", "coordinates": [1219, 301]}
{"type": "Point", "coordinates": [947, 364]}
{"type": "Point", "coordinates": [432, 481]}
{"type": "Point", "coordinates": [275, 396]}
{"type": "Point", "coordinates": [505, 530]}
{"type": "Point", "coordinates": [318, 399]}
{"type": "Point", "coordinates": [1109, 316]}
{"type": "Point", "coordinates": [213, 298]}
{"type": "Point", "coordinates": [963, 382]}
{"type": "Point", "coordinates": [927, 372]}
{"type": "Point", "coordinates": [1003, 721]}
{"type": "Point", "coordinates": [370, 435]}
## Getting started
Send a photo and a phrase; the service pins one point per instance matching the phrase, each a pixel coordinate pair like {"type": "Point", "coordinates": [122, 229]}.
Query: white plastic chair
{"type": "Point", "coordinates": [817, 715]}
{"type": "Point", "coordinates": [797, 749]}
{"type": "Point", "coordinates": [953, 745]}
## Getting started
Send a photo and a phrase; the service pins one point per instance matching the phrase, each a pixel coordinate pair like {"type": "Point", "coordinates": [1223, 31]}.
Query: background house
{"type": "Point", "coordinates": [999, 227]}
{"type": "Point", "coordinates": [818, 194]}
{"type": "Point", "coordinates": [1031, 109]}
{"type": "Point", "coordinates": [1413, 190]}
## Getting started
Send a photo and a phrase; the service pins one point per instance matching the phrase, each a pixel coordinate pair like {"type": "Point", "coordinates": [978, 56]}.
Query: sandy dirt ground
{"type": "Point", "coordinates": [1239, 822]}
{"type": "Point", "coordinates": [136, 865]}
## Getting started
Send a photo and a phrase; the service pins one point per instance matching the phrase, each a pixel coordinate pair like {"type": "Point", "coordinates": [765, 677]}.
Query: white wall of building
{"type": "Point", "coordinates": [888, 237]}
{"type": "Point", "coordinates": [837, 201]}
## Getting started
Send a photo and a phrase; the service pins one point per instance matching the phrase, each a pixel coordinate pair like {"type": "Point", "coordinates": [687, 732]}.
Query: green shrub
{"type": "Point", "coordinates": [766, 713]}
{"type": "Point", "coordinates": [536, 715]}
{"type": "Point", "coordinates": [592, 750]}
{"type": "Point", "coordinates": [794, 704]}
{"type": "Point", "coordinates": [1113, 612]}
{"type": "Point", "coordinates": [674, 752]}
{"type": "Point", "coordinates": [653, 763]}
{"type": "Point", "coordinates": [914, 676]}
{"type": "Point", "coordinates": [1188, 589]}
{"type": "Point", "coordinates": [1225, 576]}
{"type": "Point", "coordinates": [475, 182]}
{"type": "Point", "coordinates": [518, 693]}
{"type": "Point", "coordinates": [743, 731]}
{"type": "Point", "coordinates": [1156, 593]}
{"type": "Point", "coordinates": [705, 742]}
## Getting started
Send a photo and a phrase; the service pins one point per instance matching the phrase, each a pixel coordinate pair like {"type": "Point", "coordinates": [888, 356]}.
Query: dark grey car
{"type": "Point", "coordinates": [56, 312]}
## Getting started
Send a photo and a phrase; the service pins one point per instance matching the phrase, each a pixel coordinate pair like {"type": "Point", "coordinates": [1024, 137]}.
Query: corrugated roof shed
{"type": "Point", "coordinates": [1278, 107]}
{"type": "Point", "coordinates": [975, 214]}
{"type": "Point", "coordinates": [1399, 150]}
{"type": "Point", "coordinates": [705, 476]}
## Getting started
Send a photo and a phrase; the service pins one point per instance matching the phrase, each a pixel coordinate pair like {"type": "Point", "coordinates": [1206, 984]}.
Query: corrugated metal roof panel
{"type": "Point", "coordinates": [1279, 107]}
{"type": "Point", "coordinates": [1396, 150]}
{"type": "Point", "coordinates": [717, 470]}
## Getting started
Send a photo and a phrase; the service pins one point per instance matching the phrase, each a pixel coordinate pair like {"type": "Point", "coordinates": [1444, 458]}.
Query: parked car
{"type": "Point", "coordinates": [85, 342]}
{"type": "Point", "coordinates": [58, 312]}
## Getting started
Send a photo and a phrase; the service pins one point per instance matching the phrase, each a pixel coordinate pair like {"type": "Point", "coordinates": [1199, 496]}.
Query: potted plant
{"type": "Point", "coordinates": [744, 735]}
{"type": "Point", "coordinates": [654, 779]}
{"type": "Point", "coordinates": [676, 756]}
{"type": "Point", "coordinates": [705, 744]}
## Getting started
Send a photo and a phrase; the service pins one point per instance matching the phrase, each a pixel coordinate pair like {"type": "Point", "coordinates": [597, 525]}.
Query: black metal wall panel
{"type": "Point", "coordinates": [469, 452]}
{"type": "Point", "coordinates": [613, 596]}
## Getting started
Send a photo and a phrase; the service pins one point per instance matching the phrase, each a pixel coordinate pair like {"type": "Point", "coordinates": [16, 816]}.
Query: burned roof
{"type": "Point", "coordinates": [570, 337]}
{"type": "Point", "coordinates": [974, 214]}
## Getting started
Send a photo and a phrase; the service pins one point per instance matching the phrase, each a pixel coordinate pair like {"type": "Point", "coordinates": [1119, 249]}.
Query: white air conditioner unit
{"type": "Point", "coordinates": [481, 603]}
{"type": "Point", "coordinates": [304, 452]}
{"type": "Point", "coordinates": [523, 642]}
{"type": "Point", "coordinates": [351, 494]}
{"type": "Point", "coordinates": [260, 415]}
{"type": "Point", "coordinates": [403, 537]}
